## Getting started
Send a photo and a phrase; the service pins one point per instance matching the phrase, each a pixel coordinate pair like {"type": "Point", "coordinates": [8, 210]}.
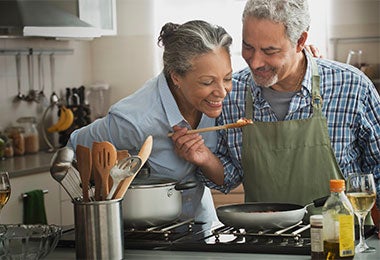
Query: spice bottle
{"type": "Point", "coordinates": [338, 224]}
{"type": "Point", "coordinates": [8, 150]}
{"type": "Point", "coordinates": [32, 142]}
{"type": "Point", "coordinates": [316, 237]}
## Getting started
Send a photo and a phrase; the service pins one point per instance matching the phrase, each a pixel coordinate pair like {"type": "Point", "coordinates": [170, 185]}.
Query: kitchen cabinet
{"type": "Point", "coordinates": [67, 209]}
{"type": "Point", "coordinates": [100, 14]}
{"type": "Point", "coordinates": [235, 196]}
{"type": "Point", "coordinates": [12, 212]}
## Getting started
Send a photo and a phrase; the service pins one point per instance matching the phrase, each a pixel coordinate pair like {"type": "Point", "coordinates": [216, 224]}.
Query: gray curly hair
{"type": "Point", "coordinates": [293, 14]}
{"type": "Point", "coordinates": [184, 42]}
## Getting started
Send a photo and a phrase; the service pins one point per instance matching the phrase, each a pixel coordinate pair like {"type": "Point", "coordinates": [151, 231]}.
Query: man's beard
{"type": "Point", "coordinates": [265, 82]}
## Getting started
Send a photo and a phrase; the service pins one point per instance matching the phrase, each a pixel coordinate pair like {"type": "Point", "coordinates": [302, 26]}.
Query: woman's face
{"type": "Point", "coordinates": [204, 87]}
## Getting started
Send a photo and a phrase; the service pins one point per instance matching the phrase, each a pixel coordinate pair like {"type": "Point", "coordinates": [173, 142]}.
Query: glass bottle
{"type": "Point", "coordinates": [16, 133]}
{"type": "Point", "coordinates": [32, 142]}
{"type": "Point", "coordinates": [338, 224]}
{"type": "Point", "coordinates": [316, 237]}
{"type": "Point", "coordinates": [8, 150]}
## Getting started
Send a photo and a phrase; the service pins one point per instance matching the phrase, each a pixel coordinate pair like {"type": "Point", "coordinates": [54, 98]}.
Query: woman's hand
{"type": "Point", "coordinates": [313, 50]}
{"type": "Point", "coordinates": [190, 147]}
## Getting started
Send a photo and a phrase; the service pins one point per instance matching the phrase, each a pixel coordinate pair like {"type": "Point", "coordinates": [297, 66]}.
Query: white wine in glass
{"type": "Point", "coordinates": [5, 189]}
{"type": "Point", "coordinates": [361, 192]}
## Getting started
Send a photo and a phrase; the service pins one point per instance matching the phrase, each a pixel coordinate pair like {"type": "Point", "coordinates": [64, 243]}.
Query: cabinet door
{"type": "Point", "coordinates": [100, 14]}
{"type": "Point", "coordinates": [12, 213]}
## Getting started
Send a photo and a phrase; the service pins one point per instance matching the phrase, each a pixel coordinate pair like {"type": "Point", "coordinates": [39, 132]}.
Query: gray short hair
{"type": "Point", "coordinates": [184, 42]}
{"type": "Point", "coordinates": [293, 14]}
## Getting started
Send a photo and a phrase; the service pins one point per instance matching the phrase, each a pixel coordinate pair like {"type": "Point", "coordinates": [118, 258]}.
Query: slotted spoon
{"type": "Point", "coordinates": [124, 168]}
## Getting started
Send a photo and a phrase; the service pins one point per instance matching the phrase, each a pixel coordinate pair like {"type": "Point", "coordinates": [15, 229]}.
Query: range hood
{"type": "Point", "coordinates": [30, 18]}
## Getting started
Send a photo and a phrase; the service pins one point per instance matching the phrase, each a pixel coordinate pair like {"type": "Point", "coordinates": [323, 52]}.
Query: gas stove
{"type": "Point", "coordinates": [193, 236]}
{"type": "Point", "coordinates": [189, 235]}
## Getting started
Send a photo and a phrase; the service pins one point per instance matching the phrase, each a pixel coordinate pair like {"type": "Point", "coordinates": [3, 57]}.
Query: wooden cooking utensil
{"type": "Point", "coordinates": [103, 159]}
{"type": "Point", "coordinates": [144, 155]}
{"type": "Point", "coordinates": [84, 164]}
{"type": "Point", "coordinates": [121, 154]}
{"type": "Point", "coordinates": [240, 123]}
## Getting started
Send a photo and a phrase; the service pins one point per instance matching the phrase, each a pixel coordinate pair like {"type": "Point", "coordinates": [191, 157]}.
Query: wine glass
{"type": "Point", "coordinates": [361, 192]}
{"type": "Point", "coordinates": [5, 189]}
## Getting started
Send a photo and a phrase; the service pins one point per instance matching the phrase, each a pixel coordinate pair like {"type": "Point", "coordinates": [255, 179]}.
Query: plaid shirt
{"type": "Point", "coordinates": [351, 105]}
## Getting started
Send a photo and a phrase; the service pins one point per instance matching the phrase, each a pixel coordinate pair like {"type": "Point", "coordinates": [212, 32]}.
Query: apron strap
{"type": "Point", "coordinates": [316, 100]}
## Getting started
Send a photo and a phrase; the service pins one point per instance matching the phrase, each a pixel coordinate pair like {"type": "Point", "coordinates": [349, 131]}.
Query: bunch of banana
{"type": "Point", "coordinates": [66, 119]}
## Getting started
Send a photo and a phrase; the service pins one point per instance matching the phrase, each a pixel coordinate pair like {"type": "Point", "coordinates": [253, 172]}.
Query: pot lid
{"type": "Point", "coordinates": [150, 182]}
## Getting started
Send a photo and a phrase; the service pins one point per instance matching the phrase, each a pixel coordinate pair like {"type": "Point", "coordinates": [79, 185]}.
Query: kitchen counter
{"type": "Point", "coordinates": [27, 164]}
{"type": "Point", "coordinates": [69, 253]}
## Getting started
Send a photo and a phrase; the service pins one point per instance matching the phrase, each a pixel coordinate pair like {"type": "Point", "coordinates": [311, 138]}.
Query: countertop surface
{"type": "Point", "coordinates": [69, 253]}
{"type": "Point", "coordinates": [27, 164]}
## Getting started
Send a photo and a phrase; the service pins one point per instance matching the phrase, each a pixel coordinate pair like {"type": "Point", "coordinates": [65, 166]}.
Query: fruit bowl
{"type": "Point", "coordinates": [18, 241]}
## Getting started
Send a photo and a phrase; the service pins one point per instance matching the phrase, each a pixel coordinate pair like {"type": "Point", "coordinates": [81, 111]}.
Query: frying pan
{"type": "Point", "coordinates": [263, 215]}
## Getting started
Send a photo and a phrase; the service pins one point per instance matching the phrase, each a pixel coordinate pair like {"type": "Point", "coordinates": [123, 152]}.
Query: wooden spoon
{"type": "Point", "coordinates": [103, 159]}
{"type": "Point", "coordinates": [84, 164]}
{"type": "Point", "coordinates": [144, 155]}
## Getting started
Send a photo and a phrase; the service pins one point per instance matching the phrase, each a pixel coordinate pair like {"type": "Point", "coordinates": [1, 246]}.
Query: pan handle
{"type": "Point", "coordinates": [320, 202]}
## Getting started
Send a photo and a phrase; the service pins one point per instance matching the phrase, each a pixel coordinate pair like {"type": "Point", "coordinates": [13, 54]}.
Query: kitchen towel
{"type": "Point", "coordinates": [34, 207]}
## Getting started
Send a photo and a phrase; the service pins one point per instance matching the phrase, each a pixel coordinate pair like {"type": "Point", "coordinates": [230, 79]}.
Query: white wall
{"type": "Point", "coordinates": [127, 60]}
{"type": "Point", "coordinates": [355, 19]}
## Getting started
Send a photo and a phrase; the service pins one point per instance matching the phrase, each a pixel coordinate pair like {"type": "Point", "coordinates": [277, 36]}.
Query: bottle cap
{"type": "Point", "coordinates": [337, 185]}
{"type": "Point", "coordinates": [316, 220]}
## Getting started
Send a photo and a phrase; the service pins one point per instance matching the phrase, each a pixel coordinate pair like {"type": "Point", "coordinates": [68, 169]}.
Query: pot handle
{"type": "Point", "coordinates": [185, 185]}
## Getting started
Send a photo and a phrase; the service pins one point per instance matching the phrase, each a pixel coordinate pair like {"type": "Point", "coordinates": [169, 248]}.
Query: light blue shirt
{"type": "Point", "coordinates": [152, 110]}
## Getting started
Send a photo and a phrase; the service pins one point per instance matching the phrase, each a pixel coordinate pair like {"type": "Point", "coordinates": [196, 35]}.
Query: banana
{"type": "Point", "coordinates": [69, 119]}
{"type": "Point", "coordinates": [61, 120]}
{"type": "Point", "coordinates": [66, 119]}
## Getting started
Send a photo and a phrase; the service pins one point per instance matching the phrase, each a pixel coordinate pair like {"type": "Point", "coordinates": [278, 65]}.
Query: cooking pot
{"type": "Point", "coordinates": [153, 201]}
{"type": "Point", "coordinates": [262, 215]}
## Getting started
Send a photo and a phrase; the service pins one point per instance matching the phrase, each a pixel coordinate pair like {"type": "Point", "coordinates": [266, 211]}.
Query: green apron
{"type": "Point", "coordinates": [289, 161]}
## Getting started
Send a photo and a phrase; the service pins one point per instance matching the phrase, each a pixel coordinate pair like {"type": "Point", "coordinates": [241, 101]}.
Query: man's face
{"type": "Point", "coordinates": [268, 51]}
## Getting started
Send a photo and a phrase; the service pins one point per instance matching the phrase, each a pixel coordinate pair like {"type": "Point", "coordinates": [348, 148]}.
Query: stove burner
{"type": "Point", "coordinates": [160, 236]}
{"type": "Point", "coordinates": [290, 236]}
{"type": "Point", "coordinates": [293, 232]}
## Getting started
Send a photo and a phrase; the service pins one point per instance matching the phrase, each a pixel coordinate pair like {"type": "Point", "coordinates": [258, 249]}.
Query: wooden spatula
{"type": "Point", "coordinates": [84, 164]}
{"type": "Point", "coordinates": [103, 159]}
{"type": "Point", "coordinates": [144, 155]}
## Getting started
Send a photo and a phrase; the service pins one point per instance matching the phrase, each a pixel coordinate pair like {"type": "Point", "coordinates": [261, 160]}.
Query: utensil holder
{"type": "Point", "coordinates": [99, 229]}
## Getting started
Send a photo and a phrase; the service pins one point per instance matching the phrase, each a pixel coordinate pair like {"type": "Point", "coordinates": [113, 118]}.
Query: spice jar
{"type": "Point", "coordinates": [16, 133]}
{"type": "Point", "coordinates": [316, 237]}
{"type": "Point", "coordinates": [32, 143]}
{"type": "Point", "coordinates": [8, 150]}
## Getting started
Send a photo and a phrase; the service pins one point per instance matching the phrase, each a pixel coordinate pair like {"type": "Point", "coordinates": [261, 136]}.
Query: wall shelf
{"type": "Point", "coordinates": [33, 51]}
{"type": "Point", "coordinates": [336, 40]}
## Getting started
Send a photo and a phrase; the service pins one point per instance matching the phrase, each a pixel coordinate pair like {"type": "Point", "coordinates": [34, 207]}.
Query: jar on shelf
{"type": "Point", "coordinates": [8, 150]}
{"type": "Point", "coordinates": [32, 141]}
{"type": "Point", "coordinates": [16, 133]}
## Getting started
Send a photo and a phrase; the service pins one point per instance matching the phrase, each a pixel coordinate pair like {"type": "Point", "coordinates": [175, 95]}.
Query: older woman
{"type": "Point", "coordinates": [188, 93]}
